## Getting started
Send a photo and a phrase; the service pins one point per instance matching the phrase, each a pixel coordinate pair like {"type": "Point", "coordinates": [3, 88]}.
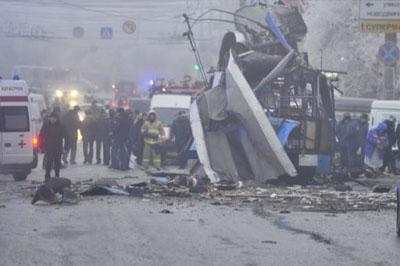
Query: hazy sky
{"type": "Point", "coordinates": [155, 49]}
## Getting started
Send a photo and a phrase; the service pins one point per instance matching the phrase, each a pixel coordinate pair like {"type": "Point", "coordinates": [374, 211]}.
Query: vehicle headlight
{"type": "Point", "coordinates": [81, 117]}
{"type": "Point", "coordinates": [73, 103]}
{"type": "Point", "coordinates": [73, 94]}
{"type": "Point", "coordinates": [59, 93]}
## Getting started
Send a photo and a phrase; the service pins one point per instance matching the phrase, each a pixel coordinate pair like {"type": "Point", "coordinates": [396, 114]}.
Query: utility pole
{"type": "Point", "coordinates": [322, 54]}
{"type": "Point", "coordinates": [189, 35]}
{"type": "Point", "coordinates": [389, 72]}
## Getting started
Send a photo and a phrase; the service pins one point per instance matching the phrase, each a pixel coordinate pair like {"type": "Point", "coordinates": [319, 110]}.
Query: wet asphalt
{"type": "Point", "coordinates": [114, 230]}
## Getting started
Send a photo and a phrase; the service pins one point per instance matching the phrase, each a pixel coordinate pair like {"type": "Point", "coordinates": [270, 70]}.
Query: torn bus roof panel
{"type": "Point", "coordinates": [245, 144]}
{"type": "Point", "coordinates": [243, 102]}
{"type": "Point", "coordinates": [199, 139]}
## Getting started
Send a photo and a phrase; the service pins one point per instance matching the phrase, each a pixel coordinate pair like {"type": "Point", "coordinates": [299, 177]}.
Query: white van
{"type": "Point", "coordinates": [381, 110]}
{"type": "Point", "coordinates": [18, 144]}
{"type": "Point", "coordinates": [167, 106]}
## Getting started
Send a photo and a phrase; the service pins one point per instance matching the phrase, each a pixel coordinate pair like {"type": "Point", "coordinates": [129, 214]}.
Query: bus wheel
{"type": "Point", "coordinates": [20, 176]}
{"type": "Point", "coordinates": [398, 213]}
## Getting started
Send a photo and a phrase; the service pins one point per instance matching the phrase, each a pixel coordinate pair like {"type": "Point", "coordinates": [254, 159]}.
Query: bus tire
{"type": "Point", "coordinates": [35, 161]}
{"type": "Point", "coordinates": [398, 213]}
{"type": "Point", "coordinates": [20, 176]}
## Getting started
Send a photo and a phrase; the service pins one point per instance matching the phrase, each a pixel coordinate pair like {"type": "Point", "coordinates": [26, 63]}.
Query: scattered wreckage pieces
{"type": "Point", "coordinates": [226, 185]}
{"type": "Point", "coordinates": [269, 242]}
{"type": "Point", "coordinates": [343, 188]}
{"type": "Point", "coordinates": [70, 197]}
{"type": "Point", "coordinates": [310, 199]}
{"type": "Point", "coordinates": [102, 190]}
{"type": "Point", "coordinates": [158, 187]}
{"type": "Point", "coordinates": [333, 201]}
{"type": "Point", "coordinates": [104, 187]}
{"type": "Point", "coordinates": [382, 188]}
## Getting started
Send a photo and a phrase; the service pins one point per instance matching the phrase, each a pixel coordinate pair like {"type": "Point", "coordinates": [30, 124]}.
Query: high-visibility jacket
{"type": "Point", "coordinates": [152, 132]}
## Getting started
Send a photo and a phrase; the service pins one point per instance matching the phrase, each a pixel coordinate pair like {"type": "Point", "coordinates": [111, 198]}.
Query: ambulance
{"type": "Point", "coordinates": [18, 143]}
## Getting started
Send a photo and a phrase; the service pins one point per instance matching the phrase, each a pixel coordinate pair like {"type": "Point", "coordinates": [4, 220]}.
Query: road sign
{"type": "Point", "coordinates": [129, 27]}
{"type": "Point", "coordinates": [389, 54]}
{"type": "Point", "coordinates": [379, 9]}
{"type": "Point", "coordinates": [378, 26]}
{"type": "Point", "coordinates": [78, 32]}
{"type": "Point", "coordinates": [106, 33]}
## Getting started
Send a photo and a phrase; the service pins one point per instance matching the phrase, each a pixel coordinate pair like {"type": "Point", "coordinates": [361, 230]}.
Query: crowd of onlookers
{"type": "Point", "coordinates": [109, 137]}
{"type": "Point", "coordinates": [361, 147]}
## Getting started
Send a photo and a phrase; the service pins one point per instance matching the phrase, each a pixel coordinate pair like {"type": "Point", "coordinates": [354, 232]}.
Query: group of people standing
{"type": "Point", "coordinates": [361, 147]}
{"type": "Point", "coordinates": [109, 137]}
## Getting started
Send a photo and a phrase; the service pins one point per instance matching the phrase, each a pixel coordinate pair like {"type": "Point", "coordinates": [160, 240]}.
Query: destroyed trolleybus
{"type": "Point", "coordinates": [267, 112]}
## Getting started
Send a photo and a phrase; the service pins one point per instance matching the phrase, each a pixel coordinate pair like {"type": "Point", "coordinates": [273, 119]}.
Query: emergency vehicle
{"type": "Point", "coordinates": [123, 91]}
{"type": "Point", "coordinates": [167, 103]}
{"type": "Point", "coordinates": [18, 144]}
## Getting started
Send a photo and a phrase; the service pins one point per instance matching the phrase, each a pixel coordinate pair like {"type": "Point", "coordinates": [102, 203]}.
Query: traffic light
{"type": "Point", "coordinates": [196, 67]}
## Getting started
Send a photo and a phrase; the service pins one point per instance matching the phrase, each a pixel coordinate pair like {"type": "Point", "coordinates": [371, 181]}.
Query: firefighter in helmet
{"type": "Point", "coordinates": [152, 131]}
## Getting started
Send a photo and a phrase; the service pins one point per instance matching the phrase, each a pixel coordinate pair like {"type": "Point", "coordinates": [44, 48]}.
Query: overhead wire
{"type": "Point", "coordinates": [62, 3]}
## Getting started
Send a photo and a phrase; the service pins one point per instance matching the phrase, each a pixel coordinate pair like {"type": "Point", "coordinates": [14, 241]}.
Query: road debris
{"type": "Point", "coordinates": [70, 197]}
{"type": "Point", "coordinates": [343, 188]}
{"type": "Point", "coordinates": [102, 190]}
{"type": "Point", "coordinates": [382, 188]}
{"type": "Point", "coordinates": [330, 197]}
{"type": "Point", "coordinates": [164, 180]}
{"type": "Point", "coordinates": [269, 242]}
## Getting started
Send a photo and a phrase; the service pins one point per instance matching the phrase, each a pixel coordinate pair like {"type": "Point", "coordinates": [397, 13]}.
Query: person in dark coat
{"type": "Point", "coordinates": [101, 121]}
{"type": "Point", "coordinates": [342, 135]}
{"type": "Point", "coordinates": [181, 131]}
{"type": "Point", "coordinates": [51, 140]}
{"type": "Point", "coordinates": [120, 140]}
{"type": "Point", "coordinates": [108, 136]}
{"type": "Point", "coordinates": [362, 136]}
{"type": "Point", "coordinates": [88, 137]}
{"type": "Point", "coordinates": [388, 156]}
{"type": "Point", "coordinates": [45, 118]}
{"type": "Point", "coordinates": [353, 143]}
{"type": "Point", "coordinates": [71, 123]}
{"type": "Point", "coordinates": [133, 116]}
